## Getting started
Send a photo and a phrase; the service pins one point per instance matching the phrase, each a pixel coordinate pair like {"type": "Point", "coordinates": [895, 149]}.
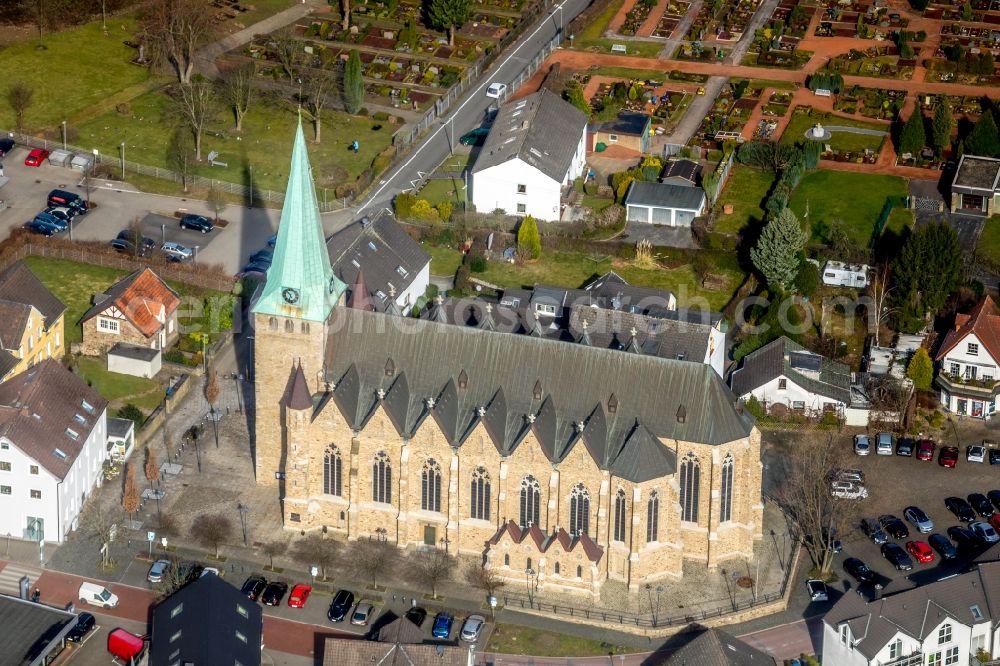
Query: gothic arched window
{"type": "Point", "coordinates": [579, 510]}
{"type": "Point", "coordinates": [690, 487]}
{"type": "Point", "coordinates": [382, 478]}
{"type": "Point", "coordinates": [332, 472]}
{"type": "Point", "coordinates": [430, 486]}
{"type": "Point", "coordinates": [480, 494]}
{"type": "Point", "coordinates": [653, 518]}
{"type": "Point", "coordinates": [726, 496]}
{"type": "Point", "coordinates": [530, 499]}
{"type": "Point", "coordinates": [620, 515]}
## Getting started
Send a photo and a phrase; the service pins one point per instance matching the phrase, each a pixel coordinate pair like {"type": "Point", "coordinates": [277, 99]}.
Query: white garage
{"type": "Point", "coordinates": [664, 204]}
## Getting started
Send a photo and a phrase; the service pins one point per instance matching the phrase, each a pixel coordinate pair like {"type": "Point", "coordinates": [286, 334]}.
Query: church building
{"type": "Point", "coordinates": [562, 465]}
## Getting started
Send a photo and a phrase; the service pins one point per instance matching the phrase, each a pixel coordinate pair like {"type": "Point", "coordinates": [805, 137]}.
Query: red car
{"type": "Point", "coordinates": [299, 595]}
{"type": "Point", "coordinates": [948, 456]}
{"type": "Point", "coordinates": [920, 551]}
{"type": "Point", "coordinates": [994, 521]}
{"type": "Point", "coordinates": [925, 450]}
{"type": "Point", "coordinates": [36, 157]}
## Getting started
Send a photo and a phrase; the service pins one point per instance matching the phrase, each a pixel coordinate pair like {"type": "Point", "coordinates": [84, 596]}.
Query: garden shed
{"type": "Point", "coordinates": [664, 204]}
{"type": "Point", "coordinates": [129, 359]}
{"type": "Point", "coordinates": [629, 130]}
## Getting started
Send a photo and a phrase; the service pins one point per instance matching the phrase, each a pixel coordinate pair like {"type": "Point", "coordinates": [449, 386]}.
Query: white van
{"type": "Point", "coordinates": [92, 593]}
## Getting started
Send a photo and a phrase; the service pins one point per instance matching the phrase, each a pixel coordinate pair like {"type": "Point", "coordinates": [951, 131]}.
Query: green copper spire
{"type": "Point", "coordinates": [300, 282]}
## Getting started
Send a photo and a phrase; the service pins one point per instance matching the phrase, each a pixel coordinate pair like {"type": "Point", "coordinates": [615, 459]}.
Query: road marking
{"type": "Point", "coordinates": [469, 97]}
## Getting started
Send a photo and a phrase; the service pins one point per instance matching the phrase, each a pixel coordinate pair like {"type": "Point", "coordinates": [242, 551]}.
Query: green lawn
{"type": "Point", "coordinates": [265, 144]}
{"type": "Point", "coordinates": [444, 260]}
{"type": "Point", "coordinates": [77, 69]}
{"type": "Point", "coordinates": [900, 219]}
{"type": "Point", "coordinates": [262, 9]}
{"type": "Point", "coordinates": [566, 269]}
{"type": "Point", "coordinates": [852, 200]}
{"type": "Point", "coordinates": [592, 37]}
{"type": "Point", "coordinates": [745, 190]}
{"type": "Point", "coordinates": [117, 388]}
{"type": "Point", "coordinates": [514, 639]}
{"type": "Point", "coordinates": [989, 241]}
{"type": "Point", "coordinates": [630, 73]}
{"type": "Point", "coordinates": [771, 83]}
{"type": "Point", "coordinates": [839, 141]}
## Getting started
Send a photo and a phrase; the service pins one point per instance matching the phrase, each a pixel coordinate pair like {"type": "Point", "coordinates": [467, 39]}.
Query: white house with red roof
{"type": "Point", "coordinates": [969, 362]}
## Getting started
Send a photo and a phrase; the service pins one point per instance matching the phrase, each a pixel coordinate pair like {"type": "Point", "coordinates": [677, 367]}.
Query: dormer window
{"type": "Point", "coordinates": [72, 434]}
{"type": "Point", "coordinates": [545, 309]}
{"type": "Point", "coordinates": [972, 349]}
{"type": "Point", "coordinates": [845, 634]}
{"type": "Point", "coordinates": [977, 613]}
{"type": "Point", "coordinates": [79, 419]}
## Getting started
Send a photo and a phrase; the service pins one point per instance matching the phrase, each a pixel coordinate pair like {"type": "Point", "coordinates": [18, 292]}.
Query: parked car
{"type": "Point", "coordinates": [982, 504]}
{"type": "Point", "coordinates": [994, 520]}
{"type": "Point", "coordinates": [64, 213]}
{"type": "Point", "coordinates": [476, 137]}
{"type": "Point", "coordinates": [862, 445]}
{"type": "Point", "coordinates": [960, 508]}
{"type": "Point", "coordinates": [975, 453]}
{"type": "Point", "coordinates": [157, 571]}
{"type": "Point", "coordinates": [68, 199]}
{"type": "Point", "coordinates": [873, 530]}
{"type": "Point", "coordinates": [129, 235]}
{"type": "Point", "coordinates": [896, 556]}
{"type": "Point", "coordinates": [41, 228]}
{"type": "Point", "coordinates": [299, 596]}
{"type": "Point", "coordinates": [85, 623]}
{"type": "Point", "coordinates": [995, 456]}
{"type": "Point", "coordinates": [905, 446]}
{"type": "Point", "coordinates": [984, 532]}
{"type": "Point", "coordinates": [848, 490]}
{"type": "Point", "coordinates": [920, 551]}
{"type": "Point", "coordinates": [474, 623]}
{"type": "Point", "coordinates": [262, 256]}
{"type": "Point", "coordinates": [885, 444]}
{"type": "Point", "coordinates": [256, 267]}
{"type": "Point", "coordinates": [948, 456]}
{"type": "Point", "coordinates": [253, 587]}
{"type": "Point", "coordinates": [925, 449]}
{"type": "Point", "coordinates": [340, 606]}
{"type": "Point", "coordinates": [197, 223]}
{"type": "Point", "coordinates": [36, 157]}
{"type": "Point", "coordinates": [916, 517]}
{"type": "Point", "coordinates": [274, 593]}
{"type": "Point", "coordinates": [442, 625]}
{"type": "Point", "coordinates": [6, 145]}
{"type": "Point", "coordinates": [272, 240]}
{"type": "Point", "coordinates": [858, 570]}
{"type": "Point", "coordinates": [56, 222]}
{"type": "Point", "coordinates": [496, 90]}
{"type": "Point", "coordinates": [417, 615]}
{"type": "Point", "coordinates": [963, 538]}
{"type": "Point", "coordinates": [945, 548]}
{"type": "Point", "coordinates": [893, 526]}
{"type": "Point", "coordinates": [210, 571]}
{"type": "Point", "coordinates": [362, 613]}
{"type": "Point", "coordinates": [852, 475]}
{"type": "Point", "coordinates": [177, 251]}
{"type": "Point", "coordinates": [126, 246]}
{"type": "Point", "coordinates": [994, 496]}
{"type": "Point", "coordinates": [188, 571]}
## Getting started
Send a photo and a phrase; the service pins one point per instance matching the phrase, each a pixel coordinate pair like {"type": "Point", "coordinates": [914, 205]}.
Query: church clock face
{"type": "Point", "coordinates": [290, 295]}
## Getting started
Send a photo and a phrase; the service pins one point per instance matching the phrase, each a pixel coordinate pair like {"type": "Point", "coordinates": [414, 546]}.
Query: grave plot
{"type": "Point", "coordinates": [723, 20]}
{"type": "Point", "coordinates": [860, 21]}
{"type": "Point", "coordinates": [876, 61]}
{"type": "Point", "coordinates": [671, 17]}
{"type": "Point", "coordinates": [636, 16]}
{"type": "Point", "coordinates": [876, 103]}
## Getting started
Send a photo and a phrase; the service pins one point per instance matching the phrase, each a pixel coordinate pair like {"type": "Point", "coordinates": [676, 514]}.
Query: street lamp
{"type": "Point", "coordinates": [250, 166]}
{"type": "Point", "coordinates": [123, 159]}
{"type": "Point", "coordinates": [529, 580]}
{"type": "Point", "coordinates": [64, 134]}
{"type": "Point", "coordinates": [244, 510]}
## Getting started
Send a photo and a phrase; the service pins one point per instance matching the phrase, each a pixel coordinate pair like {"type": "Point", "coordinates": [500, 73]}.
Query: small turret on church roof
{"type": "Point", "coordinates": [300, 282]}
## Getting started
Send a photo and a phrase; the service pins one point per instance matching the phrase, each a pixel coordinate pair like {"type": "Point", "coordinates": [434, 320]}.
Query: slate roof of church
{"type": "Point", "coordinates": [617, 405]}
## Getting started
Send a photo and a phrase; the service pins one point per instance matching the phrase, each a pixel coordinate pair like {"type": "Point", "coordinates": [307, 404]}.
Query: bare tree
{"type": "Point", "coordinates": [173, 30]}
{"type": "Point", "coordinates": [316, 549]}
{"type": "Point", "coordinates": [818, 516]}
{"type": "Point", "coordinates": [239, 86]}
{"type": "Point", "coordinates": [46, 13]}
{"type": "Point", "coordinates": [180, 155]}
{"type": "Point", "coordinates": [273, 549]}
{"type": "Point", "coordinates": [216, 200]}
{"type": "Point", "coordinates": [102, 523]}
{"type": "Point", "coordinates": [345, 14]}
{"type": "Point", "coordinates": [880, 292]}
{"type": "Point", "coordinates": [372, 558]}
{"type": "Point", "coordinates": [212, 530]}
{"type": "Point", "coordinates": [212, 396]}
{"type": "Point", "coordinates": [195, 104]}
{"type": "Point", "coordinates": [318, 85]}
{"type": "Point", "coordinates": [20, 95]}
{"type": "Point", "coordinates": [152, 467]}
{"type": "Point", "coordinates": [286, 50]}
{"type": "Point", "coordinates": [484, 578]}
{"type": "Point", "coordinates": [431, 568]}
{"type": "Point", "coordinates": [130, 493]}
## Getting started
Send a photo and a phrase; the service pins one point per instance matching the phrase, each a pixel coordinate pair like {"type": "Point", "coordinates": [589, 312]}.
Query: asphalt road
{"type": "Point", "coordinates": [469, 111]}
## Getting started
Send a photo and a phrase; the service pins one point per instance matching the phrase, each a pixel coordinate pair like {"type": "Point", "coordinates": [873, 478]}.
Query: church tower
{"type": "Point", "coordinates": [291, 312]}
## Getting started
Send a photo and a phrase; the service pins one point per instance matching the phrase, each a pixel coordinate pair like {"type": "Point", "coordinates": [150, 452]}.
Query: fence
{"type": "Point", "coordinates": [248, 192]}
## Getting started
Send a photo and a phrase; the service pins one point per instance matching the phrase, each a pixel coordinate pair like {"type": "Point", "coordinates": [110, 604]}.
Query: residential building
{"type": "Point", "coordinates": [430, 434]}
{"type": "Point", "coordinates": [630, 130]}
{"type": "Point", "coordinates": [207, 621]}
{"type": "Point", "coordinates": [139, 309]}
{"type": "Point", "coordinates": [967, 362]}
{"type": "Point", "coordinates": [681, 172]}
{"type": "Point", "coordinates": [786, 377]}
{"type": "Point", "coordinates": [942, 623]}
{"type": "Point", "coordinates": [976, 185]}
{"type": "Point", "coordinates": [340, 651]}
{"type": "Point", "coordinates": [536, 148]}
{"type": "Point", "coordinates": [607, 313]}
{"type": "Point", "coordinates": [53, 443]}
{"type": "Point", "coordinates": [33, 634]}
{"type": "Point", "coordinates": [392, 267]}
{"type": "Point", "coordinates": [712, 647]}
{"type": "Point", "coordinates": [31, 321]}
{"type": "Point", "coordinates": [664, 204]}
